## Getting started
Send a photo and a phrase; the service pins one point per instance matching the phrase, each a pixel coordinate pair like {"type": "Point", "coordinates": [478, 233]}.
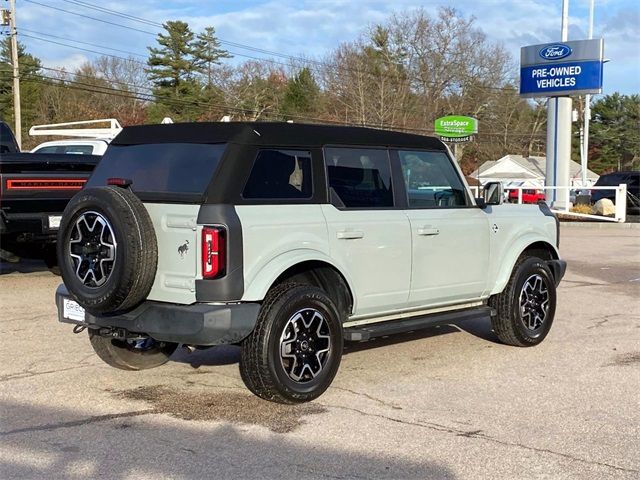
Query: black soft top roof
{"type": "Point", "coordinates": [271, 133]}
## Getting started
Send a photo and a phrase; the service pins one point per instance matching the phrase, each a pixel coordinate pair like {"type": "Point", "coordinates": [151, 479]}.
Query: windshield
{"type": "Point", "coordinates": [609, 180]}
{"type": "Point", "coordinates": [160, 169]}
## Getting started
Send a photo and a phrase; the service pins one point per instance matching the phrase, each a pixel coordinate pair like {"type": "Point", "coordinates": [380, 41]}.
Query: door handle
{"type": "Point", "coordinates": [428, 230]}
{"type": "Point", "coordinates": [350, 234]}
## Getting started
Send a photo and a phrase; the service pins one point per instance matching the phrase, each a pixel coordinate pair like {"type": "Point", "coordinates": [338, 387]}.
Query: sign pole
{"type": "Point", "coordinates": [559, 134]}
{"type": "Point", "coordinates": [587, 112]}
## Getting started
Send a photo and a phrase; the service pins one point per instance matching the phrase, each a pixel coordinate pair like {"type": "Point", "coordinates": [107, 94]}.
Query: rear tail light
{"type": "Point", "coordinates": [46, 183]}
{"type": "Point", "coordinates": [214, 252]}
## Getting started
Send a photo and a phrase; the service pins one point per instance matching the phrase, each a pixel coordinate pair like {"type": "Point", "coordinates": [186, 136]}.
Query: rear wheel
{"type": "Point", "coordinates": [131, 354]}
{"type": "Point", "coordinates": [527, 305]}
{"type": "Point", "coordinates": [107, 249]}
{"type": "Point", "coordinates": [295, 349]}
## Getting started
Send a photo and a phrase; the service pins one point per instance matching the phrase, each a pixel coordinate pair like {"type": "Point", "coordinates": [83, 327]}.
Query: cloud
{"type": "Point", "coordinates": [69, 63]}
{"type": "Point", "coordinates": [312, 28]}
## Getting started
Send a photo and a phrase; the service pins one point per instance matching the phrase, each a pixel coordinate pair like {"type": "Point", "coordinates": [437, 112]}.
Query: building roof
{"type": "Point", "coordinates": [272, 133]}
{"type": "Point", "coordinates": [535, 167]}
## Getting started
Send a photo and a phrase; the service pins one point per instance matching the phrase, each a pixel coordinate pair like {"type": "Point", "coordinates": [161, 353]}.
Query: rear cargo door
{"type": "Point", "coordinates": [171, 180]}
{"type": "Point", "coordinates": [178, 252]}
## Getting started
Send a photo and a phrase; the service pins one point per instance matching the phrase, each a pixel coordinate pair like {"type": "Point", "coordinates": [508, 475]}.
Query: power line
{"type": "Point", "coordinates": [78, 41]}
{"type": "Point", "coordinates": [90, 18]}
{"type": "Point", "coordinates": [114, 13]}
{"type": "Point", "coordinates": [106, 79]}
{"type": "Point", "coordinates": [237, 45]}
{"type": "Point", "coordinates": [82, 49]}
{"type": "Point", "coordinates": [91, 88]}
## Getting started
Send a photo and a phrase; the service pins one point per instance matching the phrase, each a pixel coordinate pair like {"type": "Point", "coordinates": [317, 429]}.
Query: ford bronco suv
{"type": "Point", "coordinates": [289, 239]}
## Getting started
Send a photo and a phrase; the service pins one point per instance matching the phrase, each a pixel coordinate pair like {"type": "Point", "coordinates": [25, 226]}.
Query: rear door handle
{"type": "Point", "coordinates": [350, 234]}
{"type": "Point", "coordinates": [428, 230]}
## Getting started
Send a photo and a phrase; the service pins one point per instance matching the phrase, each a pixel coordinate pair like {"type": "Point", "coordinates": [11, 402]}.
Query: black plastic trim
{"type": "Point", "coordinates": [196, 324]}
{"type": "Point", "coordinates": [392, 327]}
{"type": "Point", "coordinates": [231, 286]}
{"type": "Point", "coordinates": [558, 269]}
{"type": "Point", "coordinates": [544, 208]}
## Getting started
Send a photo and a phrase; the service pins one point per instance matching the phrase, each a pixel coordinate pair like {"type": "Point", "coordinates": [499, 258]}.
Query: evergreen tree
{"type": "Point", "coordinates": [301, 95]}
{"type": "Point", "coordinates": [172, 70]}
{"type": "Point", "coordinates": [615, 133]}
{"type": "Point", "coordinates": [30, 85]}
{"type": "Point", "coordinates": [207, 54]}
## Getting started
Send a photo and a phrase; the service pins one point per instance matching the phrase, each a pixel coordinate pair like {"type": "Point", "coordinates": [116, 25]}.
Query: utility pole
{"type": "Point", "coordinates": [587, 113]}
{"type": "Point", "coordinates": [559, 134]}
{"type": "Point", "coordinates": [16, 73]}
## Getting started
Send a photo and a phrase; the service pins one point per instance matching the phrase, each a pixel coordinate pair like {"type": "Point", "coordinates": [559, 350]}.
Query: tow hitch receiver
{"type": "Point", "coordinates": [119, 333]}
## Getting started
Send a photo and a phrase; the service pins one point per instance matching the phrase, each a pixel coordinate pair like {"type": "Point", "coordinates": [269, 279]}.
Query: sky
{"type": "Point", "coordinates": [312, 29]}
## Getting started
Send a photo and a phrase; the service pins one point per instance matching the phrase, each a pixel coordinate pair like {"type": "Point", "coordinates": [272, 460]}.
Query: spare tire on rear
{"type": "Point", "coordinates": [107, 249]}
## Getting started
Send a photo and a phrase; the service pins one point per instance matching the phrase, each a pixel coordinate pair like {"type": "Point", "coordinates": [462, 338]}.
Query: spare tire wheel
{"type": "Point", "coordinates": [107, 249]}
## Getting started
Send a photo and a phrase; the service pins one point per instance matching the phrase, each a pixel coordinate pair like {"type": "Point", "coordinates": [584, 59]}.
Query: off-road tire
{"type": "Point", "coordinates": [508, 323]}
{"type": "Point", "coordinates": [260, 364]}
{"type": "Point", "coordinates": [119, 354]}
{"type": "Point", "coordinates": [136, 254]}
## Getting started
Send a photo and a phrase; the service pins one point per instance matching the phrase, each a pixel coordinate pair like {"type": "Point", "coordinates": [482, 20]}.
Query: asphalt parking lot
{"type": "Point", "coordinates": [448, 402]}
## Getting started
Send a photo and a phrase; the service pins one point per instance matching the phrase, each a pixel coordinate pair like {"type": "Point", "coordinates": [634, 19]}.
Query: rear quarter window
{"type": "Point", "coordinates": [162, 170]}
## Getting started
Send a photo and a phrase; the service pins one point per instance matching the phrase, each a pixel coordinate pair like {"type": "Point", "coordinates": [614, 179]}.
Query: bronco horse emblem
{"type": "Point", "coordinates": [183, 249]}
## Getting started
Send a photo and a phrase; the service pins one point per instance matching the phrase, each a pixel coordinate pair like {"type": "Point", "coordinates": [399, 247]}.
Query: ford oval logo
{"type": "Point", "coordinates": [555, 52]}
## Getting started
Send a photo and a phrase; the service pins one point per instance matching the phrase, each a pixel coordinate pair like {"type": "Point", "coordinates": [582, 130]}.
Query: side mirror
{"type": "Point", "coordinates": [493, 193]}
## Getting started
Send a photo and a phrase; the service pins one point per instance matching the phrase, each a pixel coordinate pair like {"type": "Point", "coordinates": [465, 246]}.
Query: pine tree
{"type": "Point", "coordinates": [302, 95]}
{"type": "Point", "coordinates": [207, 54]}
{"type": "Point", "coordinates": [615, 133]}
{"type": "Point", "coordinates": [30, 85]}
{"type": "Point", "coordinates": [172, 70]}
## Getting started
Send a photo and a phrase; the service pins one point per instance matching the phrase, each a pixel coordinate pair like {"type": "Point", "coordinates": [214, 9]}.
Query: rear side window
{"type": "Point", "coordinates": [161, 168]}
{"type": "Point", "coordinates": [71, 149]}
{"type": "Point", "coordinates": [280, 175]}
{"type": "Point", "coordinates": [360, 178]}
{"type": "Point", "coordinates": [431, 180]}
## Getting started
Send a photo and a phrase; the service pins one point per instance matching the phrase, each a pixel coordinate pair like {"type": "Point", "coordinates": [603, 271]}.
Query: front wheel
{"type": "Point", "coordinates": [131, 354]}
{"type": "Point", "coordinates": [526, 307]}
{"type": "Point", "coordinates": [295, 349]}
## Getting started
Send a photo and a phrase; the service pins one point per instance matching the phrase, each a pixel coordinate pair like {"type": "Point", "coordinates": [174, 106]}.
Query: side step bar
{"type": "Point", "coordinates": [362, 333]}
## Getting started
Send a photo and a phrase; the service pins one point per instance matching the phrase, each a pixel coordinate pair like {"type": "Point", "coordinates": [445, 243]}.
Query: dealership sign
{"type": "Point", "coordinates": [456, 128]}
{"type": "Point", "coordinates": [559, 69]}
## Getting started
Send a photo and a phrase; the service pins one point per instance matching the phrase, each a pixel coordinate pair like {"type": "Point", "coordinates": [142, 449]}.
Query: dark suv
{"type": "Point", "coordinates": [631, 178]}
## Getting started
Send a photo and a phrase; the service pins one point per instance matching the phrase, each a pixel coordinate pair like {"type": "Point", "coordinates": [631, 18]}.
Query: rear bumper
{"type": "Point", "coordinates": [558, 268]}
{"type": "Point", "coordinates": [197, 324]}
{"type": "Point", "coordinates": [36, 225]}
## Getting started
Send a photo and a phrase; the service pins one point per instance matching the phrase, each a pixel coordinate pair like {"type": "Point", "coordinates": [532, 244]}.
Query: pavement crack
{"type": "Point", "coordinates": [77, 423]}
{"type": "Point", "coordinates": [477, 434]}
{"type": "Point", "coordinates": [370, 397]}
{"type": "Point", "coordinates": [28, 373]}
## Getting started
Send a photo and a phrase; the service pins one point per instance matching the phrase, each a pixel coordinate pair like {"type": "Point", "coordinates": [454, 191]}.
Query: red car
{"type": "Point", "coordinates": [528, 196]}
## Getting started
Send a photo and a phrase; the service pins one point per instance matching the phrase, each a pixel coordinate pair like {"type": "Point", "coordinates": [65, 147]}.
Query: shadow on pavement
{"type": "Point", "coordinates": [46, 442]}
{"type": "Point", "coordinates": [23, 266]}
{"type": "Point", "coordinates": [230, 354]}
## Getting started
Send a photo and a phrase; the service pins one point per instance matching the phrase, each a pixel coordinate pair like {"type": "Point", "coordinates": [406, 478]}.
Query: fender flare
{"type": "Point", "coordinates": [516, 248]}
{"type": "Point", "coordinates": [258, 286]}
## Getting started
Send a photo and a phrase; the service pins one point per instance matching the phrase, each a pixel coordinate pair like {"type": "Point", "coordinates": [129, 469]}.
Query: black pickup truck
{"type": "Point", "coordinates": [34, 190]}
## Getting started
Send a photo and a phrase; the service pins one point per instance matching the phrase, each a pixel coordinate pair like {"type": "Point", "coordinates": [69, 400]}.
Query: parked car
{"type": "Point", "coordinates": [78, 147]}
{"type": "Point", "coordinates": [34, 190]}
{"type": "Point", "coordinates": [289, 239]}
{"type": "Point", "coordinates": [631, 178]}
{"type": "Point", "coordinates": [528, 196]}
{"type": "Point", "coordinates": [8, 142]}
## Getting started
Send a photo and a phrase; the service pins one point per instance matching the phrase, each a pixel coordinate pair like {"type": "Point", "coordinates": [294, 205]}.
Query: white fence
{"type": "Point", "coordinates": [564, 207]}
